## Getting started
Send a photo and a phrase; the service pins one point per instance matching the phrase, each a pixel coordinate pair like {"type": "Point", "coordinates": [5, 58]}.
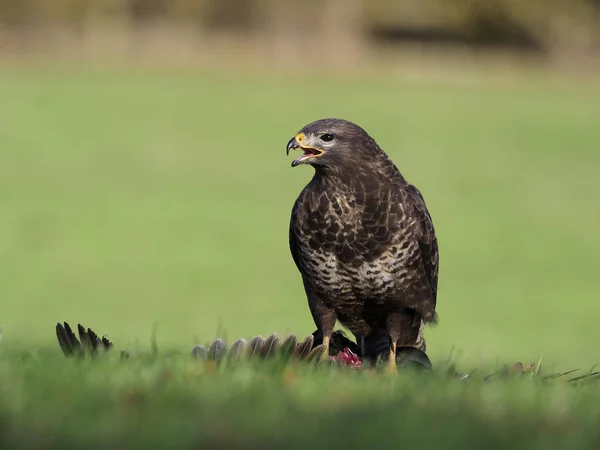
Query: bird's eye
{"type": "Point", "coordinates": [327, 137]}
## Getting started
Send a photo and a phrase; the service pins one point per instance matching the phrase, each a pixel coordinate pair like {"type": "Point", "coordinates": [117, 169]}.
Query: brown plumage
{"type": "Point", "coordinates": [362, 239]}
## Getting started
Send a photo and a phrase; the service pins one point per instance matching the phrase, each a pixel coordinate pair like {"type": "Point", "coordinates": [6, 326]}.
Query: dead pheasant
{"type": "Point", "coordinates": [342, 350]}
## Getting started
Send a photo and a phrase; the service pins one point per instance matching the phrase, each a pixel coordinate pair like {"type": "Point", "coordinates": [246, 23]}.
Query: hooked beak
{"type": "Point", "coordinates": [292, 145]}
{"type": "Point", "coordinates": [309, 152]}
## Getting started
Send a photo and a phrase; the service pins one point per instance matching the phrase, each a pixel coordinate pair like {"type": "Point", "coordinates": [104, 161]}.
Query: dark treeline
{"type": "Point", "coordinates": [535, 25]}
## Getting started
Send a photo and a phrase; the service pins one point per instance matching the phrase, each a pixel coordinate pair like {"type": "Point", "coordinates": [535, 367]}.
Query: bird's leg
{"type": "Point", "coordinates": [391, 366]}
{"type": "Point", "coordinates": [326, 339]}
{"type": "Point", "coordinates": [396, 324]}
{"type": "Point", "coordinates": [328, 317]}
{"type": "Point", "coordinates": [325, 319]}
{"type": "Point", "coordinates": [403, 327]}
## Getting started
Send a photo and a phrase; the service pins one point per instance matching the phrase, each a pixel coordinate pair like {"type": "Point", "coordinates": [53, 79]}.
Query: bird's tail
{"type": "Point", "coordinates": [427, 314]}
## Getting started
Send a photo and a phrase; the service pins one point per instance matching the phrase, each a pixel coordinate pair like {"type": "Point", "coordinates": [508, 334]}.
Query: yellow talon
{"type": "Point", "coordinates": [391, 365]}
{"type": "Point", "coordinates": [326, 345]}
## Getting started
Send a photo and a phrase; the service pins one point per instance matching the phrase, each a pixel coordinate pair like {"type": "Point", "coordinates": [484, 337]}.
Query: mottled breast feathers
{"type": "Point", "coordinates": [365, 239]}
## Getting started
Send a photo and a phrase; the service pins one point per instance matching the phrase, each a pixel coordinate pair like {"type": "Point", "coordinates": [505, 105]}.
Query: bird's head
{"type": "Point", "coordinates": [333, 143]}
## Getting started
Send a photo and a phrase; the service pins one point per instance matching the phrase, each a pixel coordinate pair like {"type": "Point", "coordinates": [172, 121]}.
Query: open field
{"type": "Point", "coordinates": [138, 197]}
{"type": "Point", "coordinates": [173, 403]}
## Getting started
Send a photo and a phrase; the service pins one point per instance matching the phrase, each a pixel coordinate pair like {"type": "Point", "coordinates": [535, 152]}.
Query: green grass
{"type": "Point", "coordinates": [174, 402]}
{"type": "Point", "coordinates": [131, 198]}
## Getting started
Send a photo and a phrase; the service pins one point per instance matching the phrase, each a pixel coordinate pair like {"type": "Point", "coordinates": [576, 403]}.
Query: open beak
{"type": "Point", "coordinates": [308, 152]}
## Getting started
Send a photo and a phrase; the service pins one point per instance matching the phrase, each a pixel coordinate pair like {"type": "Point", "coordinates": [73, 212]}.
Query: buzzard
{"type": "Point", "coordinates": [363, 240]}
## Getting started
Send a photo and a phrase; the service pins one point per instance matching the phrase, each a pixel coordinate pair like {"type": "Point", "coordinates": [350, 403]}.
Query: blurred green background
{"type": "Point", "coordinates": [144, 179]}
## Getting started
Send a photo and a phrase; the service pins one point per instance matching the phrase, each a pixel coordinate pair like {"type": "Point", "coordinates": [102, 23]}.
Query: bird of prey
{"type": "Point", "coordinates": [363, 240]}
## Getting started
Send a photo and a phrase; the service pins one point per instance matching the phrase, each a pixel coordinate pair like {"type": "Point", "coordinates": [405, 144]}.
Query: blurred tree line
{"type": "Point", "coordinates": [536, 25]}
